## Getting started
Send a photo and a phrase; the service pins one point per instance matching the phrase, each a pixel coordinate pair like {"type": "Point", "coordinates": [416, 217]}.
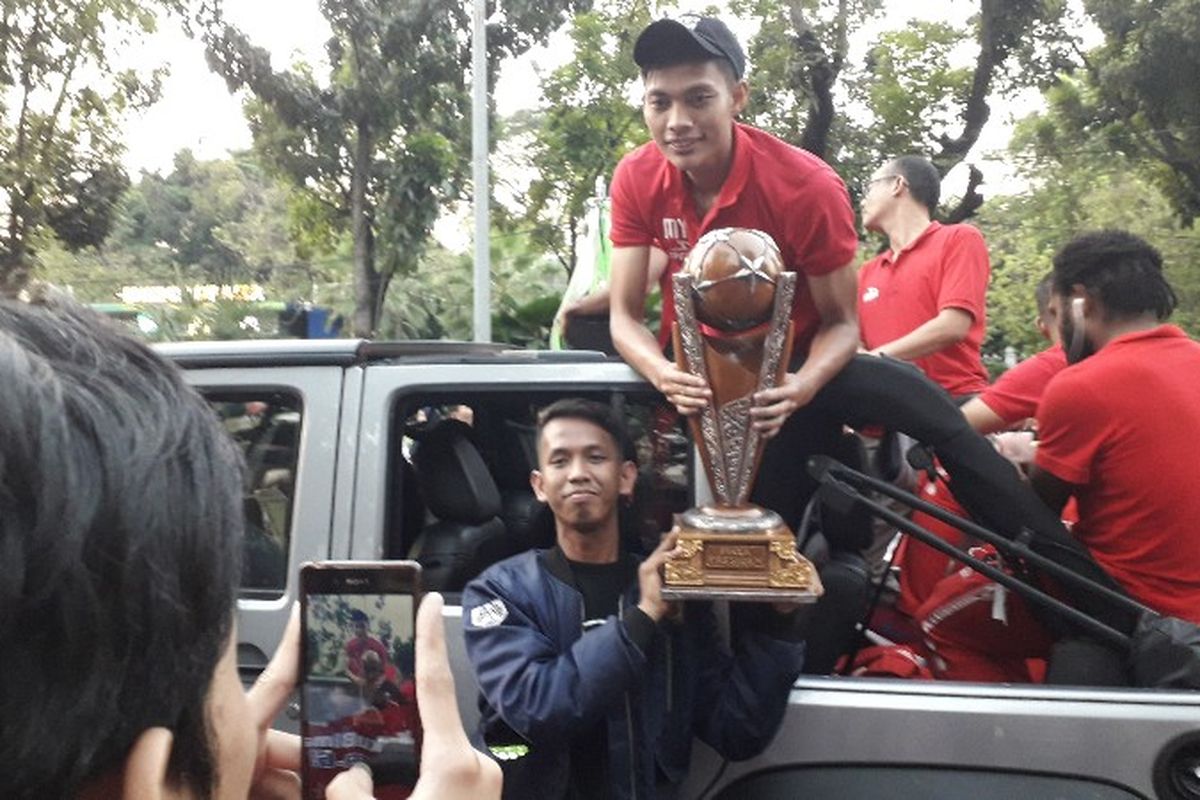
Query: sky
{"type": "Point", "coordinates": [198, 112]}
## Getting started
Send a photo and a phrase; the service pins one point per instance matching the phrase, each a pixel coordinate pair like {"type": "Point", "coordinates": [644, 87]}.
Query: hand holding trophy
{"type": "Point", "coordinates": [733, 301]}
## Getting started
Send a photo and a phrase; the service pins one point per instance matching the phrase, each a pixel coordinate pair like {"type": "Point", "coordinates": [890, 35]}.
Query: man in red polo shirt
{"type": "Point", "coordinates": [1013, 397]}
{"type": "Point", "coordinates": [704, 171]}
{"type": "Point", "coordinates": [1011, 400]}
{"type": "Point", "coordinates": [1118, 427]}
{"type": "Point", "coordinates": [922, 300]}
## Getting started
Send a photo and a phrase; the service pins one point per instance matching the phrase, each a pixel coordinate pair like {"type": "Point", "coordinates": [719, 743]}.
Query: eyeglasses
{"type": "Point", "coordinates": [866, 186]}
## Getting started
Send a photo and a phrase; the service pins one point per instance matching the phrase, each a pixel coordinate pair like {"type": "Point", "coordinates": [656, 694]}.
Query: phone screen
{"type": "Point", "coordinates": [358, 701]}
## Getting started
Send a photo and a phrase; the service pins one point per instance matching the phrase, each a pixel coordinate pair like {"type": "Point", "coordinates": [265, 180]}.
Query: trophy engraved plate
{"type": "Point", "coordinates": [733, 303]}
{"type": "Point", "coordinates": [736, 556]}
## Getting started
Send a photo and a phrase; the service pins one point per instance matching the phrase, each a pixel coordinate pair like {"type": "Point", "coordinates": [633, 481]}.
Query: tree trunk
{"type": "Point", "coordinates": [366, 278]}
{"type": "Point", "coordinates": [971, 199]}
{"type": "Point", "coordinates": [1002, 24]}
{"type": "Point", "coordinates": [816, 69]}
{"type": "Point", "coordinates": [16, 261]}
{"type": "Point", "coordinates": [16, 267]}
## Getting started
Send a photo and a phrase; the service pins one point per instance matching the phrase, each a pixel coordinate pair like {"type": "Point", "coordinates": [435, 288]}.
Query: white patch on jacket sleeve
{"type": "Point", "coordinates": [489, 615]}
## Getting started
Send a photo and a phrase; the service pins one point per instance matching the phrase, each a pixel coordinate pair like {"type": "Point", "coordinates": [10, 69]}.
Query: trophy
{"type": "Point", "coordinates": [733, 304]}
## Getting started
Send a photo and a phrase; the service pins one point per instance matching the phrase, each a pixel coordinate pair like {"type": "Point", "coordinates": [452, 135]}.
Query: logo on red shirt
{"type": "Point", "coordinates": [675, 239]}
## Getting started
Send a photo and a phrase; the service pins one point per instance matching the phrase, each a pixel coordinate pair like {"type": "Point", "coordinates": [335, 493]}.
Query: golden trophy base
{"type": "Point", "coordinates": [738, 553]}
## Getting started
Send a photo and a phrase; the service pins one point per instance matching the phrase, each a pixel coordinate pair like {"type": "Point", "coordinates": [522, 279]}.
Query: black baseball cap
{"type": "Point", "coordinates": [668, 41]}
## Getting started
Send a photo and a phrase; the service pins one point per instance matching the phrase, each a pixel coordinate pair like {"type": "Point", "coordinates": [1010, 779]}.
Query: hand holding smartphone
{"type": "Point", "coordinates": [358, 695]}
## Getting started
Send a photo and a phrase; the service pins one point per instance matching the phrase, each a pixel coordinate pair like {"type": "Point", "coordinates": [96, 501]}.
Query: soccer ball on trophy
{"type": "Point", "coordinates": [734, 273]}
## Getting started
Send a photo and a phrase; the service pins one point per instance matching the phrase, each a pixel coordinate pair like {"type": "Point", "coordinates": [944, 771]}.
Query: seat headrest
{"type": "Point", "coordinates": [454, 480]}
{"type": "Point", "coordinates": [517, 455]}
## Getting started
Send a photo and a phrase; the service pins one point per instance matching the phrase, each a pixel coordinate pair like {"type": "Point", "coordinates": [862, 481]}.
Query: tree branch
{"type": "Point", "coordinates": [970, 201]}
{"type": "Point", "coordinates": [819, 76]}
{"type": "Point", "coordinates": [976, 112]}
{"type": "Point", "coordinates": [47, 135]}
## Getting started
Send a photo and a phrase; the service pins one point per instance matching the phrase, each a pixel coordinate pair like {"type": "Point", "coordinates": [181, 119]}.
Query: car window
{"type": "Point", "coordinates": [266, 427]}
{"type": "Point", "coordinates": [438, 498]}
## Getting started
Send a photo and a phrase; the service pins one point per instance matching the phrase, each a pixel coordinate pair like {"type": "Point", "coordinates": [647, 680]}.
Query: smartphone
{"type": "Point", "coordinates": [358, 696]}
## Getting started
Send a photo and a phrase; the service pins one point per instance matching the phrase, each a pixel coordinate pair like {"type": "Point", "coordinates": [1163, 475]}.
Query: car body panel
{"type": "Point", "coordinates": [349, 389]}
{"type": "Point", "coordinates": [1111, 735]}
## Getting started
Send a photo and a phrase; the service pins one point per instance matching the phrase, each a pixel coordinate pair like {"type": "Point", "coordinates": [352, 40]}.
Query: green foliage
{"type": "Point", "coordinates": [786, 58]}
{"type": "Point", "coordinates": [62, 104]}
{"type": "Point", "coordinates": [383, 144]}
{"type": "Point", "coordinates": [1076, 185]}
{"type": "Point", "coordinates": [182, 213]}
{"type": "Point", "coordinates": [434, 301]}
{"type": "Point", "coordinates": [1137, 92]}
{"type": "Point", "coordinates": [914, 91]}
{"type": "Point", "coordinates": [223, 320]}
{"type": "Point", "coordinates": [220, 221]}
{"type": "Point", "coordinates": [206, 222]}
{"type": "Point", "coordinates": [527, 286]}
{"type": "Point", "coordinates": [585, 124]}
{"type": "Point", "coordinates": [912, 87]}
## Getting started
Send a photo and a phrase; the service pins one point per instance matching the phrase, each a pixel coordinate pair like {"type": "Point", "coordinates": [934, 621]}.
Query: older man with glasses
{"type": "Point", "coordinates": [922, 299]}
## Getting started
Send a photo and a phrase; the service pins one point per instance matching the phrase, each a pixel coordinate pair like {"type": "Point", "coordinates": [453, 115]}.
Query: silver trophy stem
{"type": "Point", "coordinates": [781, 319]}
{"type": "Point", "coordinates": [693, 353]}
{"type": "Point", "coordinates": [730, 440]}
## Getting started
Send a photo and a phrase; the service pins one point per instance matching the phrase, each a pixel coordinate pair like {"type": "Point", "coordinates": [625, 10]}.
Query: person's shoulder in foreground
{"type": "Point", "coordinates": [120, 503]}
{"type": "Point", "coordinates": [121, 534]}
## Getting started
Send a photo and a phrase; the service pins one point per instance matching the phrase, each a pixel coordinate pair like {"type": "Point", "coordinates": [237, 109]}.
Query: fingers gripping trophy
{"type": "Point", "coordinates": [733, 303]}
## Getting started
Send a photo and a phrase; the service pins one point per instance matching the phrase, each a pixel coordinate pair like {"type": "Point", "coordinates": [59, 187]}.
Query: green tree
{"type": "Point", "coordinates": [1075, 185]}
{"type": "Point", "coordinates": [182, 212]}
{"type": "Point", "coordinates": [799, 59]}
{"type": "Point", "coordinates": [584, 125]}
{"type": "Point", "coordinates": [908, 96]}
{"type": "Point", "coordinates": [431, 302]}
{"type": "Point", "coordinates": [62, 103]}
{"type": "Point", "coordinates": [1138, 91]}
{"type": "Point", "coordinates": [382, 145]}
{"type": "Point", "coordinates": [222, 221]}
{"type": "Point", "coordinates": [527, 285]}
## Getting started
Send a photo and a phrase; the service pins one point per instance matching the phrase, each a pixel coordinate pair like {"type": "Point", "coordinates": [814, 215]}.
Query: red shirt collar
{"type": "Point", "coordinates": [921, 237]}
{"type": "Point", "coordinates": [735, 181]}
{"type": "Point", "coordinates": [1164, 331]}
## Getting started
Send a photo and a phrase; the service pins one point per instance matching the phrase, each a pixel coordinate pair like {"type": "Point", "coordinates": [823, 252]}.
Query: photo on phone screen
{"type": "Point", "coordinates": [358, 701]}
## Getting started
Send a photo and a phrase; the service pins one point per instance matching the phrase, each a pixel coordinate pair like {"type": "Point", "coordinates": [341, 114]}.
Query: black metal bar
{"type": "Point", "coordinates": [1031, 593]}
{"type": "Point", "coordinates": [860, 629]}
{"type": "Point", "coordinates": [974, 529]}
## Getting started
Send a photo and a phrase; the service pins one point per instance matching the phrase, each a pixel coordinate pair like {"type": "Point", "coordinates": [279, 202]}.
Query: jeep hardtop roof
{"type": "Point", "coordinates": [348, 352]}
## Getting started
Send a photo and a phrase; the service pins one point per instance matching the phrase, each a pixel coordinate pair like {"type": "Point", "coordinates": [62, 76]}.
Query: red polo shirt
{"type": "Point", "coordinates": [1123, 427]}
{"type": "Point", "coordinates": [945, 267]}
{"type": "Point", "coordinates": [774, 187]}
{"type": "Point", "coordinates": [1015, 394]}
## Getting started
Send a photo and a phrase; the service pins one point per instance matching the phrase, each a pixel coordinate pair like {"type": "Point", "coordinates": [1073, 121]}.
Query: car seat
{"type": "Point", "coordinates": [529, 521]}
{"type": "Point", "coordinates": [467, 534]}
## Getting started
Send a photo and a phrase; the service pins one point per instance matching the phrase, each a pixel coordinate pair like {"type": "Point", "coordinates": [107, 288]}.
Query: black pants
{"type": "Point", "coordinates": [784, 486]}
{"type": "Point", "coordinates": [783, 483]}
